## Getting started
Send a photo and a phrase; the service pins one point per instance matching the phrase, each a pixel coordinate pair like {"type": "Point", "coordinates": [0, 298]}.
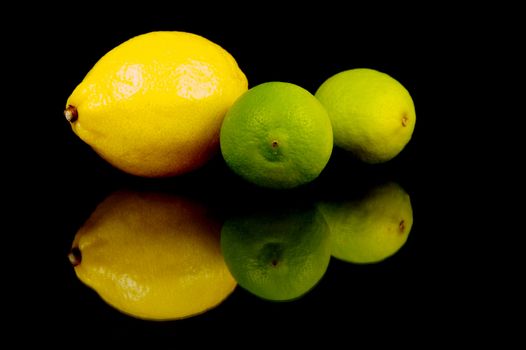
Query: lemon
{"type": "Point", "coordinates": [277, 135]}
{"type": "Point", "coordinates": [372, 228]}
{"type": "Point", "coordinates": [372, 114]}
{"type": "Point", "coordinates": [152, 256]}
{"type": "Point", "coordinates": [153, 106]}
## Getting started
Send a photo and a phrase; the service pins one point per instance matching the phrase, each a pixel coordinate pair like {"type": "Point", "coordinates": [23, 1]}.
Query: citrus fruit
{"type": "Point", "coordinates": [372, 228]}
{"type": "Point", "coordinates": [372, 114]}
{"type": "Point", "coordinates": [277, 135]}
{"type": "Point", "coordinates": [152, 256]}
{"type": "Point", "coordinates": [153, 106]}
{"type": "Point", "coordinates": [277, 254]}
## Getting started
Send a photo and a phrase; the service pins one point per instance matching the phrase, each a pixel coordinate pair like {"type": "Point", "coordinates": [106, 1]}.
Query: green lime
{"type": "Point", "coordinates": [277, 135]}
{"type": "Point", "coordinates": [372, 114]}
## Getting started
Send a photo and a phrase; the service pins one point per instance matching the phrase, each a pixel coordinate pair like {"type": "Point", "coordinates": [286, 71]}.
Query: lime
{"type": "Point", "coordinates": [372, 114]}
{"type": "Point", "coordinates": [277, 135]}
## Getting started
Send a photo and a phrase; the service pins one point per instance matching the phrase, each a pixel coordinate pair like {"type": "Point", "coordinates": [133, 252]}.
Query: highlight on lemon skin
{"type": "Point", "coordinates": [153, 256]}
{"type": "Point", "coordinates": [153, 105]}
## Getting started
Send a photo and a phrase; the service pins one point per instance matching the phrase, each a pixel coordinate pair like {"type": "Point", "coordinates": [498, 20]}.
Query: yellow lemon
{"type": "Point", "coordinates": [152, 256]}
{"type": "Point", "coordinates": [153, 106]}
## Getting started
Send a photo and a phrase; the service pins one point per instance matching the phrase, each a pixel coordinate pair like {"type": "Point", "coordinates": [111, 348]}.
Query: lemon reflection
{"type": "Point", "coordinates": [371, 228]}
{"type": "Point", "coordinates": [152, 256]}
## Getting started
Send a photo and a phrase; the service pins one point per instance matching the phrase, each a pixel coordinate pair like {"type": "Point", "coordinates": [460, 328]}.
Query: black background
{"type": "Point", "coordinates": [426, 281]}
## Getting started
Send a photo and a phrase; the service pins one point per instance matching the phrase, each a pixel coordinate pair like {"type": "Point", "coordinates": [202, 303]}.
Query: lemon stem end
{"type": "Point", "coordinates": [71, 113]}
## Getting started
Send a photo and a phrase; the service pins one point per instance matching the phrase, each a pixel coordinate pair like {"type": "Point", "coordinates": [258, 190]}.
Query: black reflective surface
{"type": "Point", "coordinates": [418, 284]}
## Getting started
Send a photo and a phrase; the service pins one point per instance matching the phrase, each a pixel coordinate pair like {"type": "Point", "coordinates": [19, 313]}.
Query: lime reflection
{"type": "Point", "coordinates": [370, 228]}
{"type": "Point", "coordinates": [278, 253]}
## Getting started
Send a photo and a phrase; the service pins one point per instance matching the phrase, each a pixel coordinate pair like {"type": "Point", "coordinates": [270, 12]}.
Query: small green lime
{"type": "Point", "coordinates": [277, 135]}
{"type": "Point", "coordinates": [372, 114]}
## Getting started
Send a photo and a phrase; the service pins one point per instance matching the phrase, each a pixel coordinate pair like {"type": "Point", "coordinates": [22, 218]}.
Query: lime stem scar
{"type": "Point", "coordinates": [74, 256]}
{"type": "Point", "coordinates": [274, 144]}
{"type": "Point", "coordinates": [404, 120]}
{"type": "Point", "coordinates": [71, 113]}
